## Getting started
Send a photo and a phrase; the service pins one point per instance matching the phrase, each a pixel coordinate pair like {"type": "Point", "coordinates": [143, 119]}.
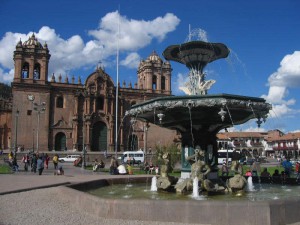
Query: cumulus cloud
{"type": "Point", "coordinates": [73, 53]}
{"type": "Point", "coordinates": [286, 77]}
{"type": "Point", "coordinates": [131, 61]}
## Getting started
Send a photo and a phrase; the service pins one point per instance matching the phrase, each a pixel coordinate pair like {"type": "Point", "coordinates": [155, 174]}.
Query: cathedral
{"type": "Point", "coordinates": [52, 113]}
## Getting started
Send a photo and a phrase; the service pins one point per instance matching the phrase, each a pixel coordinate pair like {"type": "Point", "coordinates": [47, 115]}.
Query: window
{"type": "Point", "coordinates": [163, 83]}
{"type": "Point", "coordinates": [154, 79]}
{"type": "Point", "coordinates": [36, 71]}
{"type": "Point", "coordinates": [25, 70]}
{"type": "Point", "coordinates": [60, 102]}
{"type": "Point", "coordinates": [100, 103]}
{"type": "Point", "coordinates": [29, 112]}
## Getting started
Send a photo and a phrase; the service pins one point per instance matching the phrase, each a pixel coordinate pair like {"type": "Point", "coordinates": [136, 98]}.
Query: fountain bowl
{"type": "Point", "coordinates": [273, 212]}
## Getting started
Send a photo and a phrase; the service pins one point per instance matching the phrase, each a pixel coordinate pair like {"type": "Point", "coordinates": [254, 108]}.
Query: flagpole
{"type": "Point", "coordinates": [117, 87]}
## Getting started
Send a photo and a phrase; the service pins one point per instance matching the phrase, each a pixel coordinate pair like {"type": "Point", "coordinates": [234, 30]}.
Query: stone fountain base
{"type": "Point", "coordinates": [274, 212]}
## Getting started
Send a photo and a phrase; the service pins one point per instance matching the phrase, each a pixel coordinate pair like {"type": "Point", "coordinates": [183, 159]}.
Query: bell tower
{"type": "Point", "coordinates": [154, 75]}
{"type": "Point", "coordinates": [31, 62]}
{"type": "Point", "coordinates": [31, 95]}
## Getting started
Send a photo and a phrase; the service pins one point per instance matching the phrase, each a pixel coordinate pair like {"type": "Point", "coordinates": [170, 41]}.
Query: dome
{"type": "Point", "coordinates": [32, 41]}
{"type": "Point", "coordinates": [154, 57]}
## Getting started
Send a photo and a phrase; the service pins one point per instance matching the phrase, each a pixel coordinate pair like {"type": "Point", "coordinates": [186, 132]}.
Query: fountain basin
{"type": "Point", "coordinates": [273, 212]}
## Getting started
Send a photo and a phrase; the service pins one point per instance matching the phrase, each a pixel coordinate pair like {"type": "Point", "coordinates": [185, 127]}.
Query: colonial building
{"type": "Point", "coordinates": [61, 113]}
{"type": "Point", "coordinates": [5, 116]}
{"type": "Point", "coordinates": [273, 142]}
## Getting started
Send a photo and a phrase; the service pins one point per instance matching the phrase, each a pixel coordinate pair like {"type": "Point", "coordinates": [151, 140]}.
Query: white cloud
{"type": "Point", "coordinates": [73, 53]}
{"type": "Point", "coordinates": [6, 77]}
{"type": "Point", "coordinates": [286, 77]}
{"type": "Point", "coordinates": [131, 61]}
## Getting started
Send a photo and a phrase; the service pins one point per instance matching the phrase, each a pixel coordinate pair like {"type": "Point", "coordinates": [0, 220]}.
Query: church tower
{"type": "Point", "coordinates": [154, 75]}
{"type": "Point", "coordinates": [31, 62]}
{"type": "Point", "coordinates": [31, 95]}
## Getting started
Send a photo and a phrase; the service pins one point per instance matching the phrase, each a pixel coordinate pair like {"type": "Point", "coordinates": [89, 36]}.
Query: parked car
{"type": "Point", "coordinates": [68, 158]}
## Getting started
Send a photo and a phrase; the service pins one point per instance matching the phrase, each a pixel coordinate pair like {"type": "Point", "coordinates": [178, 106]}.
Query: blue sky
{"type": "Point", "coordinates": [263, 36]}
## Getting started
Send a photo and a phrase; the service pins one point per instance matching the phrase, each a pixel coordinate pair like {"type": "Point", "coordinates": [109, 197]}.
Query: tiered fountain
{"type": "Point", "coordinates": [199, 116]}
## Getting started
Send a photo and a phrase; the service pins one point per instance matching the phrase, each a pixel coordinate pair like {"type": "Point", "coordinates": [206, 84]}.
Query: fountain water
{"type": "Point", "coordinates": [153, 184]}
{"type": "Point", "coordinates": [250, 185]}
{"type": "Point", "coordinates": [195, 188]}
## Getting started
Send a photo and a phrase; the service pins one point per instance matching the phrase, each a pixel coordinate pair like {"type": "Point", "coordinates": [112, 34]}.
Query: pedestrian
{"type": "Point", "coordinates": [287, 165]}
{"type": "Point", "coordinates": [33, 163]}
{"type": "Point", "coordinates": [25, 160]}
{"type": "Point", "coordinates": [55, 161]}
{"type": "Point", "coordinates": [255, 168]}
{"type": "Point", "coordinates": [265, 173]}
{"type": "Point", "coordinates": [224, 169]}
{"type": "Point", "coordinates": [47, 158]}
{"type": "Point", "coordinates": [40, 165]}
{"type": "Point", "coordinates": [156, 169]}
{"type": "Point", "coordinates": [297, 170]}
{"type": "Point", "coordinates": [113, 166]}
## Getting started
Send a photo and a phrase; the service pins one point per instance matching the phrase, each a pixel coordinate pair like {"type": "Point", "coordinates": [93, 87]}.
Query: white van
{"type": "Point", "coordinates": [222, 156]}
{"type": "Point", "coordinates": [137, 157]}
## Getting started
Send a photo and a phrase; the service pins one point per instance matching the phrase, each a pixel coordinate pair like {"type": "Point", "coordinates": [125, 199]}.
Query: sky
{"type": "Point", "coordinates": [263, 37]}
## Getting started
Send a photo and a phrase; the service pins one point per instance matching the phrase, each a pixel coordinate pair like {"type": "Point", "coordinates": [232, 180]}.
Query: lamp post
{"type": "Point", "coordinates": [39, 108]}
{"type": "Point", "coordinates": [83, 145]}
{"type": "Point", "coordinates": [146, 127]}
{"type": "Point", "coordinates": [16, 133]}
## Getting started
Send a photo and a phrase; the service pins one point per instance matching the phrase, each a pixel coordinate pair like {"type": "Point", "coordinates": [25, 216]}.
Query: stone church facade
{"type": "Point", "coordinates": [63, 113]}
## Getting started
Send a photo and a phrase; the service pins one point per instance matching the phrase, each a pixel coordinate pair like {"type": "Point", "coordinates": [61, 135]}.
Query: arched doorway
{"type": "Point", "coordinates": [99, 138]}
{"type": "Point", "coordinates": [133, 143]}
{"type": "Point", "coordinates": [60, 141]}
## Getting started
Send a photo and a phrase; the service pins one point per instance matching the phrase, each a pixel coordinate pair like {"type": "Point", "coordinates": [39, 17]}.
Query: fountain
{"type": "Point", "coordinates": [198, 117]}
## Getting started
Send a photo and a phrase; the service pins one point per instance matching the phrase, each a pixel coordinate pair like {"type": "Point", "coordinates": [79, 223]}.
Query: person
{"type": "Point", "coordinates": [96, 165]}
{"type": "Point", "coordinates": [224, 169]}
{"type": "Point", "coordinates": [113, 166]}
{"type": "Point", "coordinates": [287, 165]}
{"type": "Point", "coordinates": [101, 164]}
{"type": "Point", "coordinates": [60, 171]}
{"type": "Point", "coordinates": [265, 173]}
{"type": "Point", "coordinates": [122, 169]}
{"type": "Point", "coordinates": [276, 173]}
{"type": "Point", "coordinates": [236, 167]}
{"type": "Point", "coordinates": [46, 158]}
{"type": "Point", "coordinates": [151, 168]}
{"type": "Point", "coordinates": [297, 170]}
{"type": "Point", "coordinates": [129, 169]}
{"type": "Point", "coordinates": [25, 160]}
{"type": "Point", "coordinates": [33, 163]}
{"type": "Point", "coordinates": [156, 169]}
{"type": "Point", "coordinates": [15, 165]}
{"type": "Point", "coordinates": [55, 161]}
{"type": "Point", "coordinates": [40, 165]}
{"type": "Point", "coordinates": [255, 168]}
{"type": "Point", "coordinates": [146, 167]}
{"type": "Point", "coordinates": [248, 173]}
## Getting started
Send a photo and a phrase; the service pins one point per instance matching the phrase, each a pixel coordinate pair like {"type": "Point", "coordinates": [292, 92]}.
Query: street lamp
{"type": "Point", "coordinates": [146, 127]}
{"type": "Point", "coordinates": [39, 108]}
{"type": "Point", "coordinates": [83, 145]}
{"type": "Point", "coordinates": [16, 133]}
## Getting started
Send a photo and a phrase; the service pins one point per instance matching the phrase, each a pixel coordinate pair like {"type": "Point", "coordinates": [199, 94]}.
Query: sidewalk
{"type": "Point", "coordinates": [24, 181]}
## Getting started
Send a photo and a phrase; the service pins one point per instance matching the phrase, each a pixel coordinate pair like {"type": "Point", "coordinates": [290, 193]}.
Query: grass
{"type": "Point", "coordinates": [5, 169]}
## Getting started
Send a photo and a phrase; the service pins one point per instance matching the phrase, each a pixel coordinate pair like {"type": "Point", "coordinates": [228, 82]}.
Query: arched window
{"type": "Point", "coordinates": [100, 103]}
{"type": "Point", "coordinates": [25, 70]}
{"type": "Point", "coordinates": [36, 71]}
{"type": "Point", "coordinates": [60, 102]}
{"type": "Point", "coordinates": [154, 82]}
{"type": "Point", "coordinates": [133, 143]}
{"type": "Point", "coordinates": [163, 83]}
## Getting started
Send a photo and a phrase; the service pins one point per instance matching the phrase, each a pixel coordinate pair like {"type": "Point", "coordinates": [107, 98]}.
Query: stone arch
{"type": "Point", "coordinates": [25, 70]}
{"type": "Point", "coordinates": [99, 137]}
{"type": "Point", "coordinates": [37, 71]}
{"type": "Point", "coordinates": [60, 141]}
{"type": "Point", "coordinates": [132, 142]}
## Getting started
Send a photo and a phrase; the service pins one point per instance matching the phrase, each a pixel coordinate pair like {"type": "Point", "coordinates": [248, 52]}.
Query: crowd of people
{"type": "Point", "coordinates": [36, 161]}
